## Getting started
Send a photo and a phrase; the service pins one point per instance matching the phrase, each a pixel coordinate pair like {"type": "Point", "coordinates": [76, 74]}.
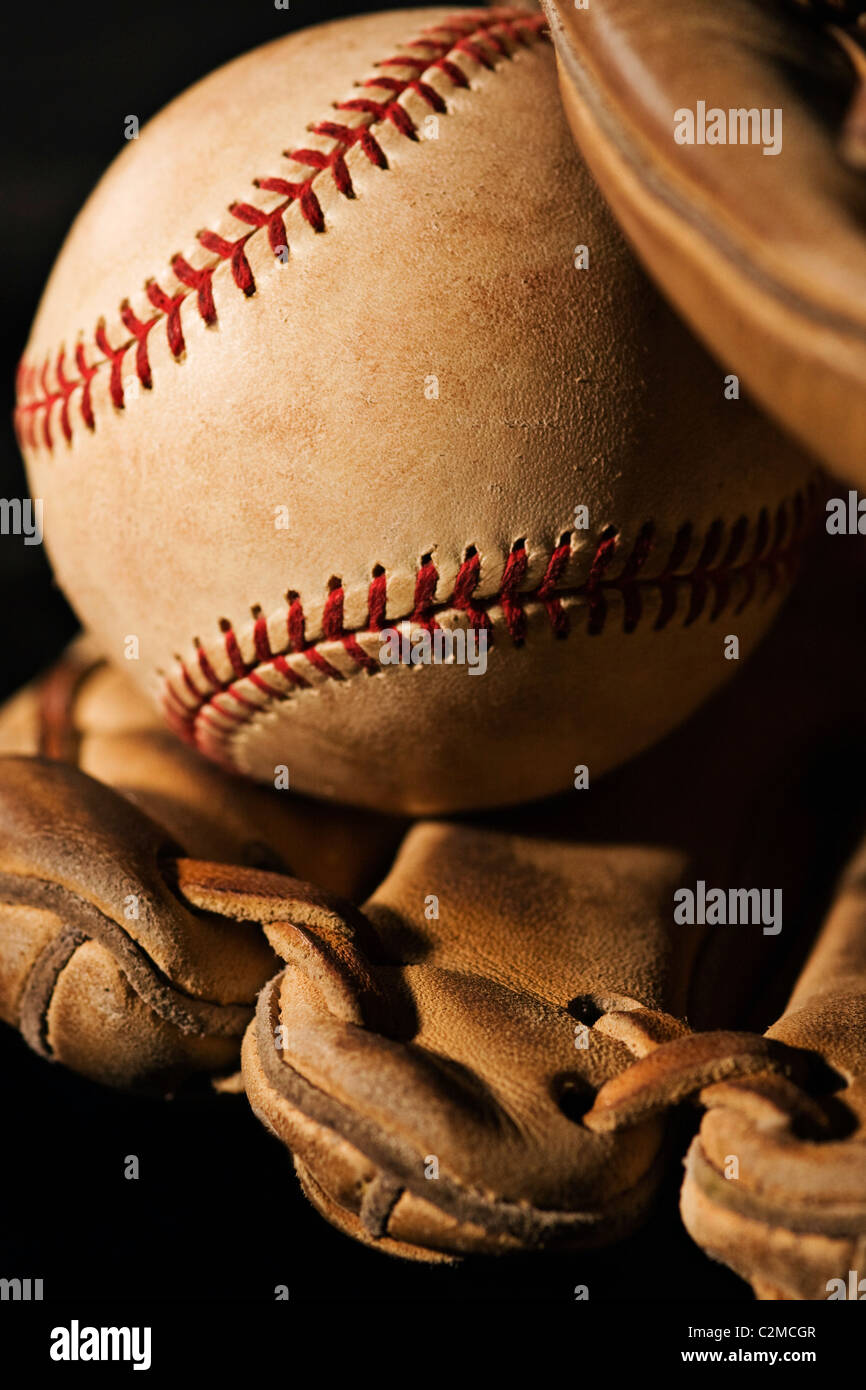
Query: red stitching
{"type": "Point", "coordinates": [510, 597]}
{"type": "Point", "coordinates": [139, 332]}
{"type": "Point", "coordinates": [547, 588]}
{"type": "Point", "coordinates": [201, 282]}
{"type": "Point", "coordinates": [377, 597]}
{"type": "Point", "coordinates": [191, 707]}
{"type": "Point", "coordinates": [467, 581]}
{"type": "Point", "coordinates": [235, 252]}
{"type": "Point", "coordinates": [483, 37]}
{"type": "Point", "coordinates": [169, 305]}
{"type": "Point", "coordinates": [425, 594]}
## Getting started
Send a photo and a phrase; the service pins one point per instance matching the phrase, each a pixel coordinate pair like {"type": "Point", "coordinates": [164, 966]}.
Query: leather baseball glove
{"type": "Point", "coordinates": [111, 960]}
{"type": "Point", "coordinates": [775, 1182]}
{"type": "Point", "coordinates": [482, 1059]}
{"type": "Point", "coordinates": [756, 228]}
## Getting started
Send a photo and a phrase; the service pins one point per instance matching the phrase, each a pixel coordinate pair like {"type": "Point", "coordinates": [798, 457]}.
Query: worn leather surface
{"type": "Point", "coordinates": [791, 1218]}
{"type": "Point", "coordinates": [91, 715]}
{"type": "Point", "coordinates": [399, 1038]}
{"type": "Point", "coordinates": [106, 963]}
{"type": "Point", "coordinates": [764, 256]}
{"type": "Point", "coordinates": [305, 390]}
{"type": "Point", "coordinates": [405, 1037]}
{"type": "Point", "coordinates": [101, 966]}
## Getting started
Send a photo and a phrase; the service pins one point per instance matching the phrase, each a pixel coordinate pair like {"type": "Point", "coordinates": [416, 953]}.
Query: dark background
{"type": "Point", "coordinates": [217, 1213]}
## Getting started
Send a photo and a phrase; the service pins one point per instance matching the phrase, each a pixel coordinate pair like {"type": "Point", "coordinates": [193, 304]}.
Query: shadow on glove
{"type": "Point", "coordinates": [756, 228]}
{"type": "Point", "coordinates": [483, 1061]}
{"type": "Point", "coordinates": [104, 964]}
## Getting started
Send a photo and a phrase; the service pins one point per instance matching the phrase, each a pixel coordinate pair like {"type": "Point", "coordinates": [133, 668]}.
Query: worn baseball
{"type": "Point", "coordinates": [367, 449]}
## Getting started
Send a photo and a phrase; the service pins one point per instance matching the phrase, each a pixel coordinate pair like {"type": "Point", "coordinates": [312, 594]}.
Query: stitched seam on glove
{"type": "Point", "coordinates": [84, 922]}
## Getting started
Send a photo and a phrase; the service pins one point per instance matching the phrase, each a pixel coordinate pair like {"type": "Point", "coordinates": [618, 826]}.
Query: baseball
{"type": "Point", "coordinates": [367, 450]}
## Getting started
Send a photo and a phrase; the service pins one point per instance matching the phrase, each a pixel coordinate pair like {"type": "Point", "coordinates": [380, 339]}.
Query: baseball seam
{"type": "Point", "coordinates": [481, 37]}
{"type": "Point", "coordinates": [210, 697]}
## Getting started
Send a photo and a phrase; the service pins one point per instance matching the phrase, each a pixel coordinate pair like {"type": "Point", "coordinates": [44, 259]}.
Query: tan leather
{"type": "Point", "coordinates": [764, 256]}
{"type": "Point", "coordinates": [90, 715]}
{"type": "Point", "coordinates": [302, 386]}
{"type": "Point", "coordinates": [791, 1215]}
{"type": "Point", "coordinates": [102, 966]}
{"type": "Point", "coordinates": [107, 964]}
{"type": "Point", "coordinates": [401, 1038]}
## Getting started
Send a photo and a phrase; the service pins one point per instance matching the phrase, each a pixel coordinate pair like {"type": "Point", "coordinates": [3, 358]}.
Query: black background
{"type": "Point", "coordinates": [217, 1213]}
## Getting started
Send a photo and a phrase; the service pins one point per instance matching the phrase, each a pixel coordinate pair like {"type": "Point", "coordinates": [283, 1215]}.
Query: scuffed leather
{"type": "Point", "coordinates": [792, 1217]}
{"type": "Point", "coordinates": [91, 715]}
{"type": "Point", "coordinates": [453, 1037]}
{"type": "Point", "coordinates": [106, 965]}
{"type": "Point", "coordinates": [557, 388]}
{"type": "Point", "coordinates": [764, 256]}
